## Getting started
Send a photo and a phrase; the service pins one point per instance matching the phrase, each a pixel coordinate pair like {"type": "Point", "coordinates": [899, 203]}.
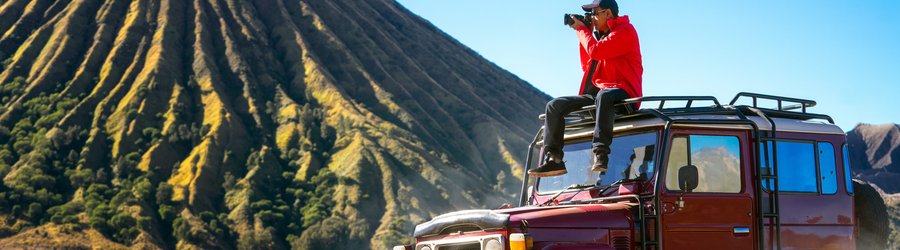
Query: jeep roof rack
{"type": "Point", "coordinates": [586, 115]}
{"type": "Point", "coordinates": [801, 104]}
{"type": "Point", "coordinates": [781, 110]}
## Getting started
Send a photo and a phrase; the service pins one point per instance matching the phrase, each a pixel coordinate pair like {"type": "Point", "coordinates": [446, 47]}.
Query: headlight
{"type": "Point", "coordinates": [492, 244]}
{"type": "Point", "coordinates": [425, 248]}
{"type": "Point", "coordinates": [518, 241]}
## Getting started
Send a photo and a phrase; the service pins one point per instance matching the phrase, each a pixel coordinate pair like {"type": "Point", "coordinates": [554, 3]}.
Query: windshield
{"type": "Point", "coordinates": [632, 157]}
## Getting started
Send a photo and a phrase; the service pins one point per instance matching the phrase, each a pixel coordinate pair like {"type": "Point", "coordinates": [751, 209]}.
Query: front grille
{"type": "Point", "coordinates": [462, 243]}
{"type": "Point", "coordinates": [620, 242]}
{"type": "Point", "coordinates": [467, 246]}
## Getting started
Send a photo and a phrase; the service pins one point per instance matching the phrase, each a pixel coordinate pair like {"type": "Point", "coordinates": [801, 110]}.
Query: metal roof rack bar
{"type": "Point", "coordinates": [588, 110]}
{"type": "Point", "coordinates": [795, 115]}
{"type": "Point", "coordinates": [586, 115]}
{"type": "Point", "coordinates": [663, 99]}
{"type": "Point", "coordinates": [801, 104]}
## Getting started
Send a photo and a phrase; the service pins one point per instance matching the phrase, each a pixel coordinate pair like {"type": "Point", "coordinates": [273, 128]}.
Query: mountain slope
{"type": "Point", "coordinates": [875, 154]}
{"type": "Point", "coordinates": [875, 158]}
{"type": "Point", "coordinates": [238, 124]}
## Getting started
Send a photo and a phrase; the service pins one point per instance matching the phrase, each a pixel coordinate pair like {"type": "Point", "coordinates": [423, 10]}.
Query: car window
{"type": "Point", "coordinates": [796, 166]}
{"type": "Point", "coordinates": [827, 171]}
{"type": "Point", "coordinates": [717, 158]}
{"type": "Point", "coordinates": [848, 178]}
{"type": "Point", "coordinates": [631, 157]}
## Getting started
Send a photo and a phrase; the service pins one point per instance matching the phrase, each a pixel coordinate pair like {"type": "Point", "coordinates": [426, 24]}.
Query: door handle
{"type": "Point", "coordinates": [741, 230]}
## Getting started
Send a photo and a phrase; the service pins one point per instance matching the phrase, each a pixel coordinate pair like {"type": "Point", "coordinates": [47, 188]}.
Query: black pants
{"type": "Point", "coordinates": [558, 108]}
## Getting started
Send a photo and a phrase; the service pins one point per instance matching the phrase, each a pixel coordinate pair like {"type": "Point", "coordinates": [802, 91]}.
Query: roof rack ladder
{"type": "Point", "coordinates": [656, 209]}
{"type": "Point", "coordinates": [644, 223]}
{"type": "Point", "coordinates": [763, 175]}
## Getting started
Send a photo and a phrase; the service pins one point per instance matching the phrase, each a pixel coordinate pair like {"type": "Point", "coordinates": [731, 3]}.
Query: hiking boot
{"type": "Point", "coordinates": [600, 162]}
{"type": "Point", "coordinates": [553, 166]}
{"type": "Point", "coordinates": [548, 169]}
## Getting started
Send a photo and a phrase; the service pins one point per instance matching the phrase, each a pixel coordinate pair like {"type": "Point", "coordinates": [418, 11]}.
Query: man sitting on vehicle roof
{"type": "Point", "coordinates": [612, 73]}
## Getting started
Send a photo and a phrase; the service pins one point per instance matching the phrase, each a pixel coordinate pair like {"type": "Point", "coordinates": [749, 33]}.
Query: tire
{"type": "Point", "coordinates": [872, 217]}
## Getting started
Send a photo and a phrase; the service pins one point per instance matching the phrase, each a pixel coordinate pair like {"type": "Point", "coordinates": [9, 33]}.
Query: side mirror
{"type": "Point", "coordinates": [688, 177]}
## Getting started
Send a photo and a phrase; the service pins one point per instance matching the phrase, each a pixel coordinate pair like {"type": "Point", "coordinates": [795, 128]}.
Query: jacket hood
{"type": "Point", "coordinates": [615, 22]}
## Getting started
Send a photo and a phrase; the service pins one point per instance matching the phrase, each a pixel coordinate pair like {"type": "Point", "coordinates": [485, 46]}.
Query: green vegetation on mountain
{"type": "Point", "coordinates": [261, 124]}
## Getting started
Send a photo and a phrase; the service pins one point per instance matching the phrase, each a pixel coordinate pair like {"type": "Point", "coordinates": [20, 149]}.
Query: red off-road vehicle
{"type": "Point", "coordinates": [765, 174]}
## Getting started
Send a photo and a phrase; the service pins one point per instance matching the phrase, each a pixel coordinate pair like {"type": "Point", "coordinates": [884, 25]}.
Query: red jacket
{"type": "Point", "coordinates": [618, 57]}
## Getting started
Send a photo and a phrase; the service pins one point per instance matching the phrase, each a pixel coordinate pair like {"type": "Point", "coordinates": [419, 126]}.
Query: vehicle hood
{"type": "Point", "coordinates": [570, 216]}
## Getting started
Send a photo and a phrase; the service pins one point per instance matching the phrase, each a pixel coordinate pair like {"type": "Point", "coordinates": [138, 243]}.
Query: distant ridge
{"type": "Point", "coordinates": [875, 154]}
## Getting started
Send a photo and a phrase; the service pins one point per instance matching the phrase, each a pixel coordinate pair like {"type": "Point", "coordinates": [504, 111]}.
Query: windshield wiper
{"type": "Point", "coordinates": [618, 182]}
{"type": "Point", "coordinates": [605, 187]}
{"type": "Point", "coordinates": [579, 187]}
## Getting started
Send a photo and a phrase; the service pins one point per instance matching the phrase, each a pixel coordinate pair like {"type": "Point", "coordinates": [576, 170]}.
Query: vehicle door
{"type": "Point", "coordinates": [707, 200]}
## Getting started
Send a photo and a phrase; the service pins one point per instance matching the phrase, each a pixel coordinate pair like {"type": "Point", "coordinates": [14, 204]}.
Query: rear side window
{"type": "Point", "coordinates": [717, 158]}
{"type": "Point", "coordinates": [827, 168]}
{"type": "Point", "coordinates": [848, 179]}
{"type": "Point", "coordinates": [796, 166]}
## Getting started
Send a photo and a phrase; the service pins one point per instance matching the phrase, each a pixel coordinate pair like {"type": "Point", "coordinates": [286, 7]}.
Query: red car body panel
{"type": "Point", "coordinates": [818, 221]}
{"type": "Point", "coordinates": [808, 220]}
{"type": "Point", "coordinates": [708, 220]}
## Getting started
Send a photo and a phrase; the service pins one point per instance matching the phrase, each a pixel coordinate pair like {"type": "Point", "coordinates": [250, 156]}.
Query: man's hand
{"type": "Point", "coordinates": [576, 24]}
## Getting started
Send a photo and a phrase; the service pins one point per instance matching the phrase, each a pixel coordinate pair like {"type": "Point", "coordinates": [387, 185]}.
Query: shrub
{"type": "Point", "coordinates": [163, 194]}
{"type": "Point", "coordinates": [182, 229]}
{"type": "Point", "coordinates": [151, 133]}
{"type": "Point", "coordinates": [131, 114]}
{"type": "Point", "coordinates": [142, 189]}
{"type": "Point", "coordinates": [80, 177]}
{"type": "Point", "coordinates": [142, 91]}
{"type": "Point", "coordinates": [207, 216]}
{"type": "Point", "coordinates": [35, 210]}
{"type": "Point", "coordinates": [98, 224]}
{"type": "Point", "coordinates": [166, 212]}
{"type": "Point", "coordinates": [66, 213]}
{"type": "Point", "coordinates": [4, 134]}
{"type": "Point", "coordinates": [6, 156]}
{"type": "Point", "coordinates": [7, 62]}
{"type": "Point", "coordinates": [22, 147]}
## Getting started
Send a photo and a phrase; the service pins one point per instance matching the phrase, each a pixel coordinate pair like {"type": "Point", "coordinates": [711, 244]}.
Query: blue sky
{"type": "Point", "coordinates": [845, 57]}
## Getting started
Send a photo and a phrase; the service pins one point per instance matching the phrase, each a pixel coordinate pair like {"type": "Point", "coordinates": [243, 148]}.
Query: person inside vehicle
{"type": "Point", "coordinates": [611, 61]}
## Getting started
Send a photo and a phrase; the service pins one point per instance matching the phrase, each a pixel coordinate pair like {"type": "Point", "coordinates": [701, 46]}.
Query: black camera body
{"type": "Point", "coordinates": [586, 19]}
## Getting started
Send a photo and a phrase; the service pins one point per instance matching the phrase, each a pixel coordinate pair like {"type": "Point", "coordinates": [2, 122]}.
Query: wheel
{"type": "Point", "coordinates": [872, 217]}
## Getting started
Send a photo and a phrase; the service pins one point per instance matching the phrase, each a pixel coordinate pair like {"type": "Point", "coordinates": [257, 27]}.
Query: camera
{"type": "Point", "coordinates": [586, 19]}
